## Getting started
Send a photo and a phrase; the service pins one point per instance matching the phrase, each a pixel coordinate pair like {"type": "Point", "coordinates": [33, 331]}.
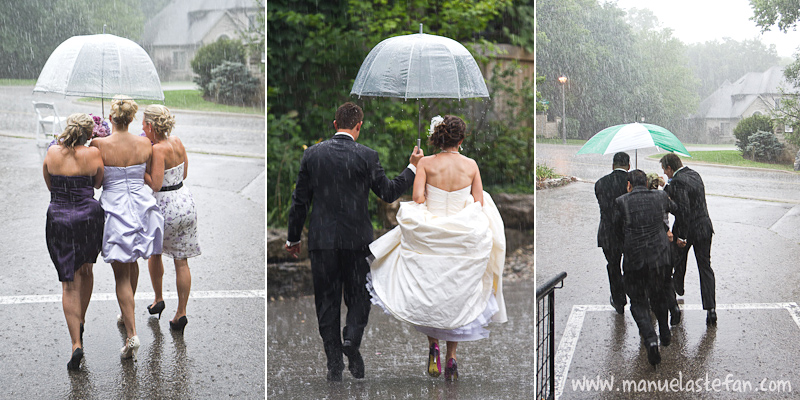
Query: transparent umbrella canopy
{"type": "Point", "coordinates": [100, 66]}
{"type": "Point", "coordinates": [420, 66]}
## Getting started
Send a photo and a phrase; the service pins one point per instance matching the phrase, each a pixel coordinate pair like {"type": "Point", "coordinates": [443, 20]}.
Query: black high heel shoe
{"type": "Point", "coordinates": [81, 335]}
{"type": "Point", "coordinates": [178, 326]}
{"type": "Point", "coordinates": [156, 309]}
{"type": "Point", "coordinates": [75, 362]}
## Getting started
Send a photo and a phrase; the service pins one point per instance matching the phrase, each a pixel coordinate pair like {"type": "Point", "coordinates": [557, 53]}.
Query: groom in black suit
{"type": "Point", "coordinates": [607, 189]}
{"type": "Point", "coordinates": [337, 174]}
{"type": "Point", "coordinates": [692, 228]}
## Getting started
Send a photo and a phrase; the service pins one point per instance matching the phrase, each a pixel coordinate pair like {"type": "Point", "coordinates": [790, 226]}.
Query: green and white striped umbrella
{"type": "Point", "coordinates": [633, 136]}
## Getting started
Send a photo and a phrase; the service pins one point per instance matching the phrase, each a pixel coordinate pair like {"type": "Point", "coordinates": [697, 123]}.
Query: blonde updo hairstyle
{"type": "Point", "coordinates": [78, 131]}
{"type": "Point", "coordinates": [160, 118]}
{"type": "Point", "coordinates": [448, 133]}
{"type": "Point", "coordinates": [123, 110]}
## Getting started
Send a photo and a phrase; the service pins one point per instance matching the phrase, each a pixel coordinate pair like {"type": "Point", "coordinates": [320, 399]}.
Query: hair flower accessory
{"type": "Point", "coordinates": [435, 121]}
{"type": "Point", "coordinates": [101, 128]}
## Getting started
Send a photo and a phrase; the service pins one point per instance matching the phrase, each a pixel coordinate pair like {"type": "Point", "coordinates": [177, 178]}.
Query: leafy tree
{"type": "Point", "coordinates": [783, 13]}
{"type": "Point", "coordinates": [30, 31]}
{"type": "Point", "coordinates": [619, 68]}
{"type": "Point", "coordinates": [211, 56]}
{"type": "Point", "coordinates": [714, 62]}
{"type": "Point", "coordinates": [748, 126]}
{"type": "Point", "coordinates": [314, 50]}
{"type": "Point", "coordinates": [257, 36]}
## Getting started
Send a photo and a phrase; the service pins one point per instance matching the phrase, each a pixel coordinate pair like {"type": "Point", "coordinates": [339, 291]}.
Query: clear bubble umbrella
{"type": "Point", "coordinates": [633, 136]}
{"type": "Point", "coordinates": [420, 66]}
{"type": "Point", "coordinates": [100, 66]}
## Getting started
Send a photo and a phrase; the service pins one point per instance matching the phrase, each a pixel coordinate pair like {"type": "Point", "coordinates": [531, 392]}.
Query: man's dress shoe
{"type": "Point", "coordinates": [675, 315]}
{"type": "Point", "coordinates": [620, 309]}
{"type": "Point", "coordinates": [653, 356]}
{"type": "Point", "coordinates": [711, 318]}
{"type": "Point", "coordinates": [355, 362]}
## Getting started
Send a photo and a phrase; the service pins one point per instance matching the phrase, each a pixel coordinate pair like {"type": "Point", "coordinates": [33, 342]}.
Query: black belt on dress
{"type": "Point", "coordinates": [170, 188]}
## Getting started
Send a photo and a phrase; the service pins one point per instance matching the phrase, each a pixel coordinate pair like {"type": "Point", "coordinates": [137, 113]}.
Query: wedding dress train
{"type": "Point", "coordinates": [441, 268]}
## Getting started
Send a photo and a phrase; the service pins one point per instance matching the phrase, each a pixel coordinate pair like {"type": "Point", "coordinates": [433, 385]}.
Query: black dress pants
{"type": "Point", "coordinates": [336, 273]}
{"type": "Point", "coordinates": [647, 289]}
{"type": "Point", "coordinates": [702, 253]}
{"type": "Point", "coordinates": [615, 282]}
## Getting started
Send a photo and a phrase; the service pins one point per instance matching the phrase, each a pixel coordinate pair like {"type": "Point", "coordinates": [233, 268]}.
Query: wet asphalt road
{"type": "Point", "coordinates": [395, 356]}
{"type": "Point", "coordinates": [754, 255]}
{"type": "Point", "coordinates": [220, 355]}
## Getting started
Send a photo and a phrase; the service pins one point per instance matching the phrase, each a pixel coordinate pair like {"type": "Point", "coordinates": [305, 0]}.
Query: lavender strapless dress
{"type": "Point", "coordinates": [74, 228]}
{"type": "Point", "coordinates": [134, 225]}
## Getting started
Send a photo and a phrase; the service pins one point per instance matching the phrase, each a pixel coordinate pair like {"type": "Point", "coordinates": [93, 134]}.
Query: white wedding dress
{"type": "Point", "coordinates": [441, 268]}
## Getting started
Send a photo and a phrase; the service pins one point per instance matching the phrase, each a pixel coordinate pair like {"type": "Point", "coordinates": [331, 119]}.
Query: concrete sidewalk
{"type": "Point", "coordinates": [754, 254]}
{"type": "Point", "coordinates": [221, 353]}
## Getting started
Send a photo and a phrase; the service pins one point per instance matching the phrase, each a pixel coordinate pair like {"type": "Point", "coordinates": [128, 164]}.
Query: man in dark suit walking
{"type": "Point", "coordinates": [337, 174]}
{"type": "Point", "coordinates": [607, 189]}
{"type": "Point", "coordinates": [692, 228]}
{"type": "Point", "coordinates": [640, 215]}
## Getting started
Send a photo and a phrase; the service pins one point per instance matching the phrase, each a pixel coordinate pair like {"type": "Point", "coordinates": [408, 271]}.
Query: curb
{"type": "Point", "coordinates": [183, 111]}
{"type": "Point", "coordinates": [188, 150]}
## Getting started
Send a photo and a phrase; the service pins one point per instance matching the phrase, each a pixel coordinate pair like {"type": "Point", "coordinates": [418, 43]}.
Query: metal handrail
{"type": "Point", "coordinates": [549, 286]}
{"type": "Point", "coordinates": [546, 359]}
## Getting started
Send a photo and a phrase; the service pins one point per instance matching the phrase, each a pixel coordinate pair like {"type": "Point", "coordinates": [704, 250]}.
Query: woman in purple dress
{"type": "Point", "coordinates": [133, 223]}
{"type": "Point", "coordinates": [74, 228]}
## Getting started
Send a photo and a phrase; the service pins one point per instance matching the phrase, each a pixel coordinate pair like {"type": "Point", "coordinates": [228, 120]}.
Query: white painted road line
{"type": "Point", "coordinates": [572, 331]}
{"type": "Point", "coordinates": [208, 294]}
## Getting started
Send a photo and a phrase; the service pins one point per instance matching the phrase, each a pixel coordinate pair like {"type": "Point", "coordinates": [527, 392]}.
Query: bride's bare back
{"type": "Point", "coordinates": [449, 172]}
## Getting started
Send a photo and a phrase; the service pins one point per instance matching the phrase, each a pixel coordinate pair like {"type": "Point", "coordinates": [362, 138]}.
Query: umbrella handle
{"type": "Point", "coordinates": [419, 143]}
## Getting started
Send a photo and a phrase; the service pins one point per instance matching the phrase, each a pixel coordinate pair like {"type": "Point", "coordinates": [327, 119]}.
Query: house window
{"type": "Point", "coordinates": [179, 60]}
{"type": "Point", "coordinates": [757, 113]}
{"type": "Point", "coordinates": [223, 36]}
{"type": "Point", "coordinates": [725, 127]}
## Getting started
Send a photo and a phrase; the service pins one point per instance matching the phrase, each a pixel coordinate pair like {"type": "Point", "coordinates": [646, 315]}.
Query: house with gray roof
{"type": "Point", "coordinates": [755, 93]}
{"type": "Point", "coordinates": [172, 36]}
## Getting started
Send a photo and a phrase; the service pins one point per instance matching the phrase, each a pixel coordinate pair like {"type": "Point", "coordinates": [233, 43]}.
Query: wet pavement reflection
{"type": "Point", "coordinates": [754, 254]}
{"type": "Point", "coordinates": [395, 356]}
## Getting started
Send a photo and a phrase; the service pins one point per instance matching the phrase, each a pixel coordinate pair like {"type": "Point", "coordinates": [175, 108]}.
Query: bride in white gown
{"type": "Point", "coordinates": [441, 268]}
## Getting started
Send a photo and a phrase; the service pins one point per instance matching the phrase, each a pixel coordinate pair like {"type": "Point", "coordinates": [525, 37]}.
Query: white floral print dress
{"type": "Point", "coordinates": [180, 216]}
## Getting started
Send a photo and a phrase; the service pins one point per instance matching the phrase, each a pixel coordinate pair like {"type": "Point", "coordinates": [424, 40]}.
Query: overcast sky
{"type": "Point", "coordinates": [695, 21]}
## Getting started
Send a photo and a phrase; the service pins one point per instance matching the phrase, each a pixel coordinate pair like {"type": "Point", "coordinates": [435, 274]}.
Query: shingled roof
{"type": "Point", "coordinates": [186, 22]}
{"type": "Point", "coordinates": [732, 99]}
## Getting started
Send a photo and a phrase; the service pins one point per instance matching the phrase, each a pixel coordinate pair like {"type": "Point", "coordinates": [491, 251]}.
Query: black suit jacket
{"type": "Point", "coordinates": [607, 189]}
{"type": "Point", "coordinates": [691, 216]}
{"type": "Point", "coordinates": [337, 175]}
{"type": "Point", "coordinates": [640, 214]}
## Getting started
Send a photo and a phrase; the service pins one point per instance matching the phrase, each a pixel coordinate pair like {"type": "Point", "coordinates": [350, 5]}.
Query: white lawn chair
{"type": "Point", "coordinates": [48, 123]}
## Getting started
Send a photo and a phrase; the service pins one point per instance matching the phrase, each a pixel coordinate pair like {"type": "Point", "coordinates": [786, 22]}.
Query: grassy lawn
{"type": "Point", "coordinates": [191, 100]}
{"type": "Point", "coordinates": [728, 157]}
{"type": "Point", "coordinates": [17, 82]}
{"type": "Point", "coordinates": [542, 140]}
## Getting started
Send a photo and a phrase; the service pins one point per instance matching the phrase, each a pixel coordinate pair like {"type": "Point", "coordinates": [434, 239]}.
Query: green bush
{"type": "Point", "coordinates": [212, 55]}
{"type": "Point", "coordinates": [232, 84]}
{"type": "Point", "coordinates": [545, 172]}
{"type": "Point", "coordinates": [284, 151]}
{"type": "Point", "coordinates": [749, 126]}
{"type": "Point", "coordinates": [764, 147]}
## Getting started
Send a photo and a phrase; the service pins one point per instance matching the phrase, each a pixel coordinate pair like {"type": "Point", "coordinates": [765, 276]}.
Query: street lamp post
{"type": "Point", "coordinates": [563, 80]}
